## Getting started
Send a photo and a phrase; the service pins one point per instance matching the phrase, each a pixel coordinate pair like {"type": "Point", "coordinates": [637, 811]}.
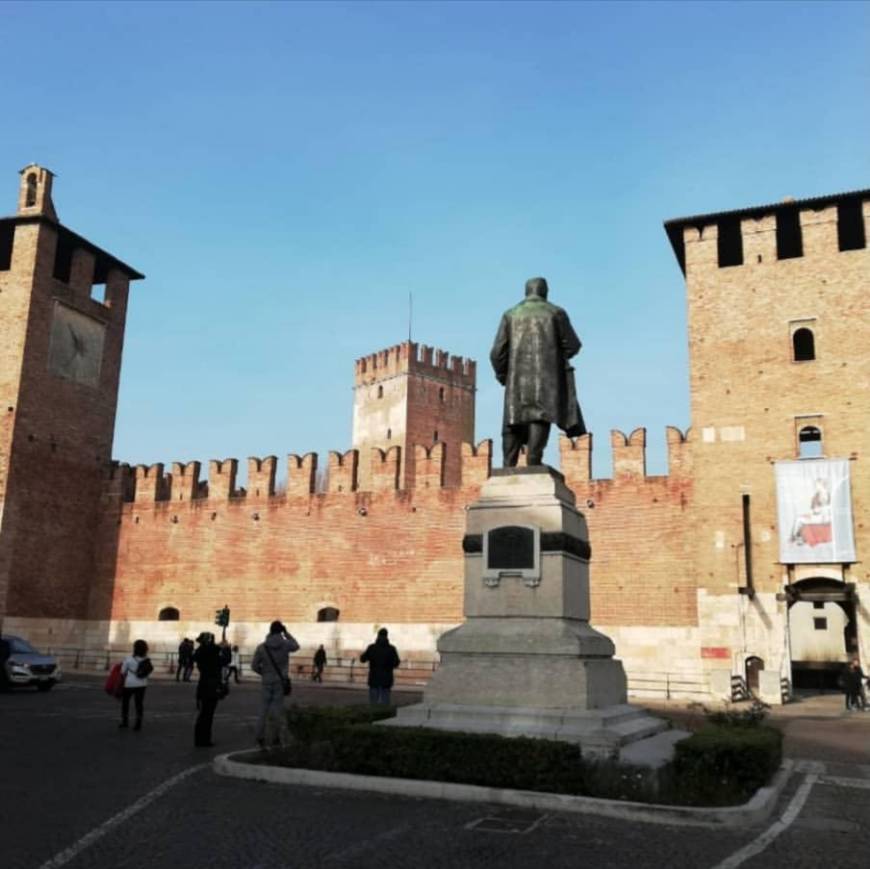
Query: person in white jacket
{"type": "Point", "coordinates": [135, 670]}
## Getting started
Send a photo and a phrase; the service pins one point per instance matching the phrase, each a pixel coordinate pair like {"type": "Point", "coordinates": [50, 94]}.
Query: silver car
{"type": "Point", "coordinates": [26, 666]}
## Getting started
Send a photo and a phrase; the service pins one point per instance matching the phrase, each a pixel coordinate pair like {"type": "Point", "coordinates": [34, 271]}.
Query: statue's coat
{"type": "Point", "coordinates": [530, 356]}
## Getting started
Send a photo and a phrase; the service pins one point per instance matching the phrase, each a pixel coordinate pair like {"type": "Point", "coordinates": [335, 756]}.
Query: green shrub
{"type": "Point", "coordinates": [316, 723]}
{"type": "Point", "coordinates": [343, 739]}
{"type": "Point", "coordinates": [469, 758]}
{"type": "Point", "coordinates": [724, 765]}
{"type": "Point", "coordinates": [719, 765]}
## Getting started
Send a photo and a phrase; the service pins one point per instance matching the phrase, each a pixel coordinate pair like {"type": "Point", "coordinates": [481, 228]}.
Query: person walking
{"type": "Point", "coordinates": [271, 662]}
{"type": "Point", "coordinates": [319, 664]}
{"type": "Point", "coordinates": [182, 659]}
{"type": "Point", "coordinates": [853, 681]}
{"type": "Point", "coordinates": [226, 656]}
{"type": "Point", "coordinates": [382, 659]}
{"type": "Point", "coordinates": [208, 689]}
{"type": "Point", "coordinates": [135, 670]}
{"type": "Point", "coordinates": [235, 668]}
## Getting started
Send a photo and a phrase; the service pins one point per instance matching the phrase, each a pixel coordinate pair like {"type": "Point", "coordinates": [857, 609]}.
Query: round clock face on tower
{"type": "Point", "coordinates": [76, 347]}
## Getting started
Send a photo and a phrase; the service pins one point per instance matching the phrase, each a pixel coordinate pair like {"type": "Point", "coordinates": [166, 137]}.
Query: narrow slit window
{"type": "Point", "coordinates": [850, 225]}
{"type": "Point", "coordinates": [810, 442]}
{"type": "Point", "coordinates": [441, 394]}
{"type": "Point", "coordinates": [730, 243]}
{"type": "Point", "coordinates": [435, 435]}
{"type": "Point", "coordinates": [789, 242]}
{"type": "Point", "coordinates": [7, 236]}
{"type": "Point", "coordinates": [389, 434]}
{"type": "Point", "coordinates": [380, 392]}
{"type": "Point", "coordinates": [63, 255]}
{"type": "Point", "coordinates": [804, 345]}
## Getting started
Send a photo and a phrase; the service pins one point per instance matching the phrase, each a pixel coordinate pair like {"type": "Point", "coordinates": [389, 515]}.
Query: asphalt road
{"type": "Point", "coordinates": [66, 770]}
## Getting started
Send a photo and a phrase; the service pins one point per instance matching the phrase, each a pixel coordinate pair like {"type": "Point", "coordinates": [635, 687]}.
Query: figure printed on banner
{"type": "Point", "coordinates": [814, 504]}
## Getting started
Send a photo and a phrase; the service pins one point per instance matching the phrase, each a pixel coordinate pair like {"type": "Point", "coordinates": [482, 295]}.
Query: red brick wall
{"type": "Point", "coordinates": [384, 556]}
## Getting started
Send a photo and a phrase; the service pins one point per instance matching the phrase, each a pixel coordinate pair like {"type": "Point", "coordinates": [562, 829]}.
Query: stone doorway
{"type": "Point", "coordinates": [823, 632]}
{"type": "Point", "coordinates": [754, 666]}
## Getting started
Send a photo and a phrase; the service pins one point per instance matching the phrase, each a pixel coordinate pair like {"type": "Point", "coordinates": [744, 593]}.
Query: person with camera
{"type": "Point", "coordinates": [271, 663]}
{"type": "Point", "coordinates": [209, 689]}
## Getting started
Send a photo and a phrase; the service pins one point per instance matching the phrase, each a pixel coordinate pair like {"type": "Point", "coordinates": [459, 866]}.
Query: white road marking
{"type": "Point", "coordinates": [97, 833]}
{"type": "Point", "coordinates": [757, 845]}
{"type": "Point", "coordinates": [844, 782]}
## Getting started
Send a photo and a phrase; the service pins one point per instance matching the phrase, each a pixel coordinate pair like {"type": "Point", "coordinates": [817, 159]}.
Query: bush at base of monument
{"type": "Point", "coordinates": [723, 764]}
{"type": "Point", "coordinates": [720, 765]}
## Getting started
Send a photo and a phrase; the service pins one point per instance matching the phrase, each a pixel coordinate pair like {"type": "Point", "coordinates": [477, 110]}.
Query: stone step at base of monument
{"type": "Point", "coordinates": [654, 751]}
{"type": "Point", "coordinates": [600, 732]}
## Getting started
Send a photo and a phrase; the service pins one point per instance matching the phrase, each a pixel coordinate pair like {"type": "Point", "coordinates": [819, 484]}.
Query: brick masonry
{"type": "Point", "coordinates": [96, 550]}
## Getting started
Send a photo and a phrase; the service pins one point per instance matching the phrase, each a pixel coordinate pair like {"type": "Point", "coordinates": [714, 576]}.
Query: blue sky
{"type": "Point", "coordinates": [285, 174]}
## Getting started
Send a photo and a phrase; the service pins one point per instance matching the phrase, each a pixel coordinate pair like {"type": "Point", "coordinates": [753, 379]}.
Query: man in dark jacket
{"type": "Point", "coordinates": [382, 659]}
{"type": "Point", "coordinates": [853, 682]}
{"type": "Point", "coordinates": [530, 357]}
{"type": "Point", "coordinates": [208, 689]}
{"type": "Point", "coordinates": [319, 664]}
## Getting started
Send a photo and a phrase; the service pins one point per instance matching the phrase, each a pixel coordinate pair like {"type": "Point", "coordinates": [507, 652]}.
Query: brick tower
{"type": "Point", "coordinates": [63, 305]}
{"type": "Point", "coordinates": [780, 373]}
{"type": "Point", "coordinates": [407, 398]}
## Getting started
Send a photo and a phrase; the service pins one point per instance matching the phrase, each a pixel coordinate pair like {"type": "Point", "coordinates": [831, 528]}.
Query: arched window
{"type": "Point", "coordinates": [809, 442]}
{"type": "Point", "coordinates": [804, 345]}
{"type": "Point", "coordinates": [30, 199]}
{"type": "Point", "coordinates": [327, 614]}
{"type": "Point", "coordinates": [168, 614]}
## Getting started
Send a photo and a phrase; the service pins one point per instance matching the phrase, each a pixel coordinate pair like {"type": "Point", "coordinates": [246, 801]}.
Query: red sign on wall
{"type": "Point", "coordinates": [715, 652]}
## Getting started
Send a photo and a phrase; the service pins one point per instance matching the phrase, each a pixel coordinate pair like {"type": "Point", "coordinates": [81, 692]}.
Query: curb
{"type": "Point", "coordinates": [755, 811]}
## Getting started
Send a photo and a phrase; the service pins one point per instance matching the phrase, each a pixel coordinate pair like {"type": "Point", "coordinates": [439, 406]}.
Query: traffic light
{"type": "Point", "coordinates": [222, 617]}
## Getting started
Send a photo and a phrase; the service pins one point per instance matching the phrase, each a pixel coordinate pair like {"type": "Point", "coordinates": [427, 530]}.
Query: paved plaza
{"type": "Point", "coordinates": [75, 791]}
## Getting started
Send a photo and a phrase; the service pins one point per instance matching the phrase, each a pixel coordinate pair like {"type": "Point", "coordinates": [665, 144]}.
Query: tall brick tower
{"type": "Point", "coordinates": [780, 373]}
{"type": "Point", "coordinates": [63, 306]}
{"type": "Point", "coordinates": [404, 397]}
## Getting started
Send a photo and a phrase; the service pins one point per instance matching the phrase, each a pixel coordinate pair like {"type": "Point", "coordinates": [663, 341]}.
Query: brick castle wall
{"type": "Point", "coordinates": [388, 555]}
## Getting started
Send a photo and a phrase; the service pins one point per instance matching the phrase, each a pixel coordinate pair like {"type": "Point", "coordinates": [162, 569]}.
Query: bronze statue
{"type": "Point", "coordinates": [530, 356]}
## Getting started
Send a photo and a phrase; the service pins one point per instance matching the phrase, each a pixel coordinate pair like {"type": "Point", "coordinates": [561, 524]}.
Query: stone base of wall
{"type": "Point", "coordinates": [695, 662]}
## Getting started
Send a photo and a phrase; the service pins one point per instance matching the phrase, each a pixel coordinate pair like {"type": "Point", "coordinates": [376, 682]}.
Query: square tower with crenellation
{"type": "Point", "coordinates": [63, 307]}
{"type": "Point", "coordinates": [780, 384]}
{"type": "Point", "coordinates": [408, 396]}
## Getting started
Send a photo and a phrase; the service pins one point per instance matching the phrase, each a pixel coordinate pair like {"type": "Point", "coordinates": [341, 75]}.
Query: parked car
{"type": "Point", "coordinates": [26, 666]}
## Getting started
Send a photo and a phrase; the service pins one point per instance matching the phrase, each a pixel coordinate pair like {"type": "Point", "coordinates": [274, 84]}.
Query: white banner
{"type": "Point", "coordinates": [814, 505]}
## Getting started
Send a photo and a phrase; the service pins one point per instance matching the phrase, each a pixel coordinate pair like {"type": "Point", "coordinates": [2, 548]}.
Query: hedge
{"type": "Point", "coordinates": [724, 765]}
{"type": "Point", "coordinates": [719, 765]}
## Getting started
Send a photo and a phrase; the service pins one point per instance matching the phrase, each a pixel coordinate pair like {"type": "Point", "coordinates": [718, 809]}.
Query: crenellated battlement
{"type": "Point", "coordinates": [410, 358]}
{"type": "Point", "coordinates": [147, 484]}
{"type": "Point", "coordinates": [628, 452]}
{"type": "Point", "coordinates": [816, 228]}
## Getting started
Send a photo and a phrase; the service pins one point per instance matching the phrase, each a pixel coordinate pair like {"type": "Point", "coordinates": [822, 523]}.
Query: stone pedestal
{"type": "Point", "coordinates": [526, 661]}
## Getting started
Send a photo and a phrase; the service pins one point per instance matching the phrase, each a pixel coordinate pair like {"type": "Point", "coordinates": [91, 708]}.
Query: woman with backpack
{"type": "Point", "coordinates": [135, 671]}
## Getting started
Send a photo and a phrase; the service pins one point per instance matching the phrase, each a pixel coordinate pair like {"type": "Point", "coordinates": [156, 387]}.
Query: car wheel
{"type": "Point", "coordinates": [44, 686]}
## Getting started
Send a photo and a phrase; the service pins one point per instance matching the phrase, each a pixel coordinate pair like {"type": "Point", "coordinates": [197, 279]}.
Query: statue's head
{"type": "Point", "coordinates": [537, 287]}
